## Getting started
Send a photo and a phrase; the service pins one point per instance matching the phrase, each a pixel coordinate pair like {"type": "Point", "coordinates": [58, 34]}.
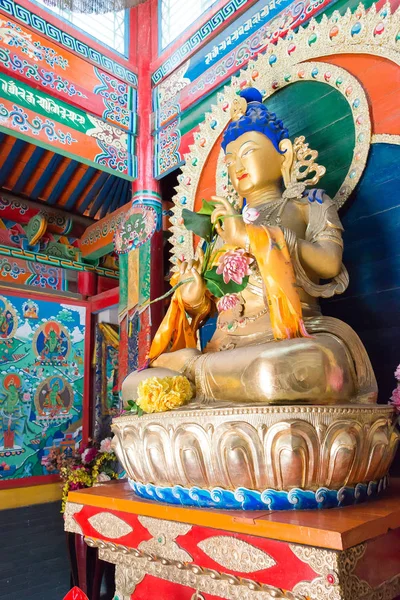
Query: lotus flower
{"type": "Point", "coordinates": [250, 214]}
{"type": "Point", "coordinates": [395, 399]}
{"type": "Point", "coordinates": [228, 302]}
{"type": "Point", "coordinates": [234, 265]}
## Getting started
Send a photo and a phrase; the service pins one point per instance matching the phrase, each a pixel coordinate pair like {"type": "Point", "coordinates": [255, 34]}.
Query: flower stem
{"type": "Point", "coordinates": [164, 296]}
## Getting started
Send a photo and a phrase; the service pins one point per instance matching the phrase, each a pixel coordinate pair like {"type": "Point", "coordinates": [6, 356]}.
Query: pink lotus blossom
{"type": "Point", "coordinates": [89, 454]}
{"type": "Point", "coordinates": [395, 399]}
{"type": "Point", "coordinates": [228, 302]}
{"type": "Point", "coordinates": [105, 445]}
{"type": "Point", "coordinates": [250, 214]}
{"type": "Point", "coordinates": [234, 265]}
{"type": "Point", "coordinates": [397, 373]}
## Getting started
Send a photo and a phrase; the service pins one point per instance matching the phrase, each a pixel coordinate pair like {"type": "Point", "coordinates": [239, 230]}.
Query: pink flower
{"type": "Point", "coordinates": [89, 454]}
{"type": "Point", "coordinates": [250, 214]}
{"type": "Point", "coordinates": [103, 477]}
{"type": "Point", "coordinates": [228, 302]}
{"type": "Point", "coordinates": [395, 399]}
{"type": "Point", "coordinates": [397, 373]}
{"type": "Point", "coordinates": [75, 486]}
{"type": "Point", "coordinates": [234, 265]}
{"type": "Point", "coordinates": [105, 445]}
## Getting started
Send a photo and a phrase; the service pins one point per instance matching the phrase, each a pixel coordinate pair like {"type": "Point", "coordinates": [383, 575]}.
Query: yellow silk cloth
{"type": "Point", "coordinates": [175, 331]}
{"type": "Point", "coordinates": [271, 252]}
{"type": "Point", "coordinates": [269, 248]}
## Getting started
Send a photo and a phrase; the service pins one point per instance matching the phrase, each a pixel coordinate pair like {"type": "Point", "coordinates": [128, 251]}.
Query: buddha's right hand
{"type": "Point", "coordinates": [192, 293]}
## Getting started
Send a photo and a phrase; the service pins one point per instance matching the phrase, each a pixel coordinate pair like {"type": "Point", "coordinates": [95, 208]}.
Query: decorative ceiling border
{"type": "Point", "coordinates": [205, 31]}
{"type": "Point", "coordinates": [56, 34]}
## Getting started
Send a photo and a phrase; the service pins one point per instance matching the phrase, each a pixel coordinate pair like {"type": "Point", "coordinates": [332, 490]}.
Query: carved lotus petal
{"type": "Point", "coordinates": [109, 525]}
{"type": "Point", "coordinates": [236, 555]}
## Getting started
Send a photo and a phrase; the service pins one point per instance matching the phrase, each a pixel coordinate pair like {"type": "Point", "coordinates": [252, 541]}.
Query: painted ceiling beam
{"type": "Point", "coordinates": [62, 182]}
{"type": "Point", "coordinates": [47, 175]}
{"type": "Point", "coordinates": [94, 190]}
{"type": "Point", "coordinates": [78, 191]}
{"type": "Point", "coordinates": [112, 204]}
{"type": "Point", "coordinates": [11, 160]}
{"type": "Point", "coordinates": [103, 195]}
{"type": "Point", "coordinates": [21, 211]}
{"type": "Point", "coordinates": [28, 170]}
{"type": "Point", "coordinates": [98, 238]}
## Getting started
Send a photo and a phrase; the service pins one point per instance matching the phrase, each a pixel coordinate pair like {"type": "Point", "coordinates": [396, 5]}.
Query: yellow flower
{"type": "Point", "coordinates": [161, 394]}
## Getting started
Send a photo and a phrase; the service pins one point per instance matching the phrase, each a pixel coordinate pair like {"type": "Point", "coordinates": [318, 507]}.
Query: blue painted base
{"type": "Point", "coordinates": [244, 499]}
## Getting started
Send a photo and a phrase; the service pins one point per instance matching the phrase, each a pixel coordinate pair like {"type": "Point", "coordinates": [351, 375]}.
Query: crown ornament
{"type": "Point", "coordinates": [303, 165]}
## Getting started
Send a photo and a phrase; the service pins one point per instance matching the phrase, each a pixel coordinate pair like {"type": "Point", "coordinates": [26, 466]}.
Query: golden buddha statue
{"type": "Point", "coordinates": [271, 344]}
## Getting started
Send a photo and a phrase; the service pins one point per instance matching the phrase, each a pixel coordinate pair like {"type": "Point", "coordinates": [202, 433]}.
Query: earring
{"type": "Point", "coordinates": [303, 164]}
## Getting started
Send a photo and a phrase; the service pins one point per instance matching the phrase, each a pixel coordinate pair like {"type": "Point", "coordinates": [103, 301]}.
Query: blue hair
{"type": "Point", "coordinates": [257, 118]}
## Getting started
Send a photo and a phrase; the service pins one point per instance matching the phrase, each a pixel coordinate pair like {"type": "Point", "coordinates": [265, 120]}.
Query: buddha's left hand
{"type": "Point", "coordinates": [233, 228]}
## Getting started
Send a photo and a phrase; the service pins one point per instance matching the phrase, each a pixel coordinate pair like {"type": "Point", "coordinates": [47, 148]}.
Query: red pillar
{"type": "Point", "coordinates": [146, 190]}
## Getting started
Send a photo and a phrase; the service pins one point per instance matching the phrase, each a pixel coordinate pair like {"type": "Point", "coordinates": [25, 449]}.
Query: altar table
{"type": "Point", "coordinates": [176, 553]}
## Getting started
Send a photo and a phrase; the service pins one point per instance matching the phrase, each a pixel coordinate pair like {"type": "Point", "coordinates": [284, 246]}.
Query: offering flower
{"type": "Point", "coordinates": [250, 215]}
{"type": "Point", "coordinates": [228, 302]}
{"type": "Point", "coordinates": [234, 266]}
{"type": "Point", "coordinates": [161, 394]}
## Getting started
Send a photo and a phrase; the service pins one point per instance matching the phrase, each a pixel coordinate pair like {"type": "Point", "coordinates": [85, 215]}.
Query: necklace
{"type": "Point", "coordinates": [267, 212]}
{"type": "Point", "coordinates": [242, 322]}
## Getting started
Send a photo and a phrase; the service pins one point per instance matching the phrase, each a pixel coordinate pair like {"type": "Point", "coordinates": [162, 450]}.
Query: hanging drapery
{"type": "Point", "coordinates": [93, 6]}
{"type": "Point", "coordinates": [106, 396]}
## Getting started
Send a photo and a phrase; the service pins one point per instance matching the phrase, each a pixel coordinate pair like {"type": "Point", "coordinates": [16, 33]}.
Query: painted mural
{"type": "Point", "coordinates": [41, 382]}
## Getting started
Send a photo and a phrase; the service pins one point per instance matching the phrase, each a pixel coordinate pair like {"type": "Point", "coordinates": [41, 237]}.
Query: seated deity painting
{"type": "Point", "coordinates": [267, 252]}
{"type": "Point", "coordinates": [51, 343]}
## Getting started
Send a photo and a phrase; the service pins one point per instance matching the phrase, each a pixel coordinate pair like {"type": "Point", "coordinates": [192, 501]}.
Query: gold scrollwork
{"type": "Point", "coordinates": [133, 565]}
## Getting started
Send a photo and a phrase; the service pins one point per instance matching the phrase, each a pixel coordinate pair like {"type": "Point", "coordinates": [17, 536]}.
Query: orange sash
{"type": "Point", "coordinates": [271, 252]}
{"type": "Point", "coordinates": [175, 331]}
{"type": "Point", "coordinates": [272, 255]}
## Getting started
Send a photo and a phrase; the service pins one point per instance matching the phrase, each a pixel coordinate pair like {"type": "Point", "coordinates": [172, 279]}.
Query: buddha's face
{"type": "Point", "coordinates": [253, 163]}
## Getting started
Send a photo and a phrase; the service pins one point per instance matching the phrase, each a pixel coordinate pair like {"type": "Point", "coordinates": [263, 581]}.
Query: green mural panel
{"type": "Point", "coordinates": [41, 382]}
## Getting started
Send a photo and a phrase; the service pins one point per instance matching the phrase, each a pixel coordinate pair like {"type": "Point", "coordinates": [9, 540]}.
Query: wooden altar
{"type": "Point", "coordinates": [176, 553]}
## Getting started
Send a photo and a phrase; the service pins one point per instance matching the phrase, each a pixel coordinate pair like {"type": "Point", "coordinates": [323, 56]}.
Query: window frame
{"type": "Point", "coordinates": [124, 54]}
{"type": "Point", "coordinates": [184, 32]}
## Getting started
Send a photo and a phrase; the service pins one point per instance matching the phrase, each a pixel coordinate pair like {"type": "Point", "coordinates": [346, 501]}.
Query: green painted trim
{"type": "Point", "coordinates": [147, 193]}
{"type": "Point", "coordinates": [193, 116]}
{"type": "Point", "coordinates": [80, 159]}
{"type": "Point", "coordinates": [16, 91]}
{"type": "Point", "coordinates": [100, 252]}
{"type": "Point", "coordinates": [123, 283]}
{"type": "Point", "coordinates": [144, 272]}
{"type": "Point", "coordinates": [57, 262]}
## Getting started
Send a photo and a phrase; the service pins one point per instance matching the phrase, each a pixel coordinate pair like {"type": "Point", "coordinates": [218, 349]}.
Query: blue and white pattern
{"type": "Point", "coordinates": [245, 499]}
{"type": "Point", "coordinates": [197, 38]}
{"type": "Point", "coordinates": [61, 37]}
